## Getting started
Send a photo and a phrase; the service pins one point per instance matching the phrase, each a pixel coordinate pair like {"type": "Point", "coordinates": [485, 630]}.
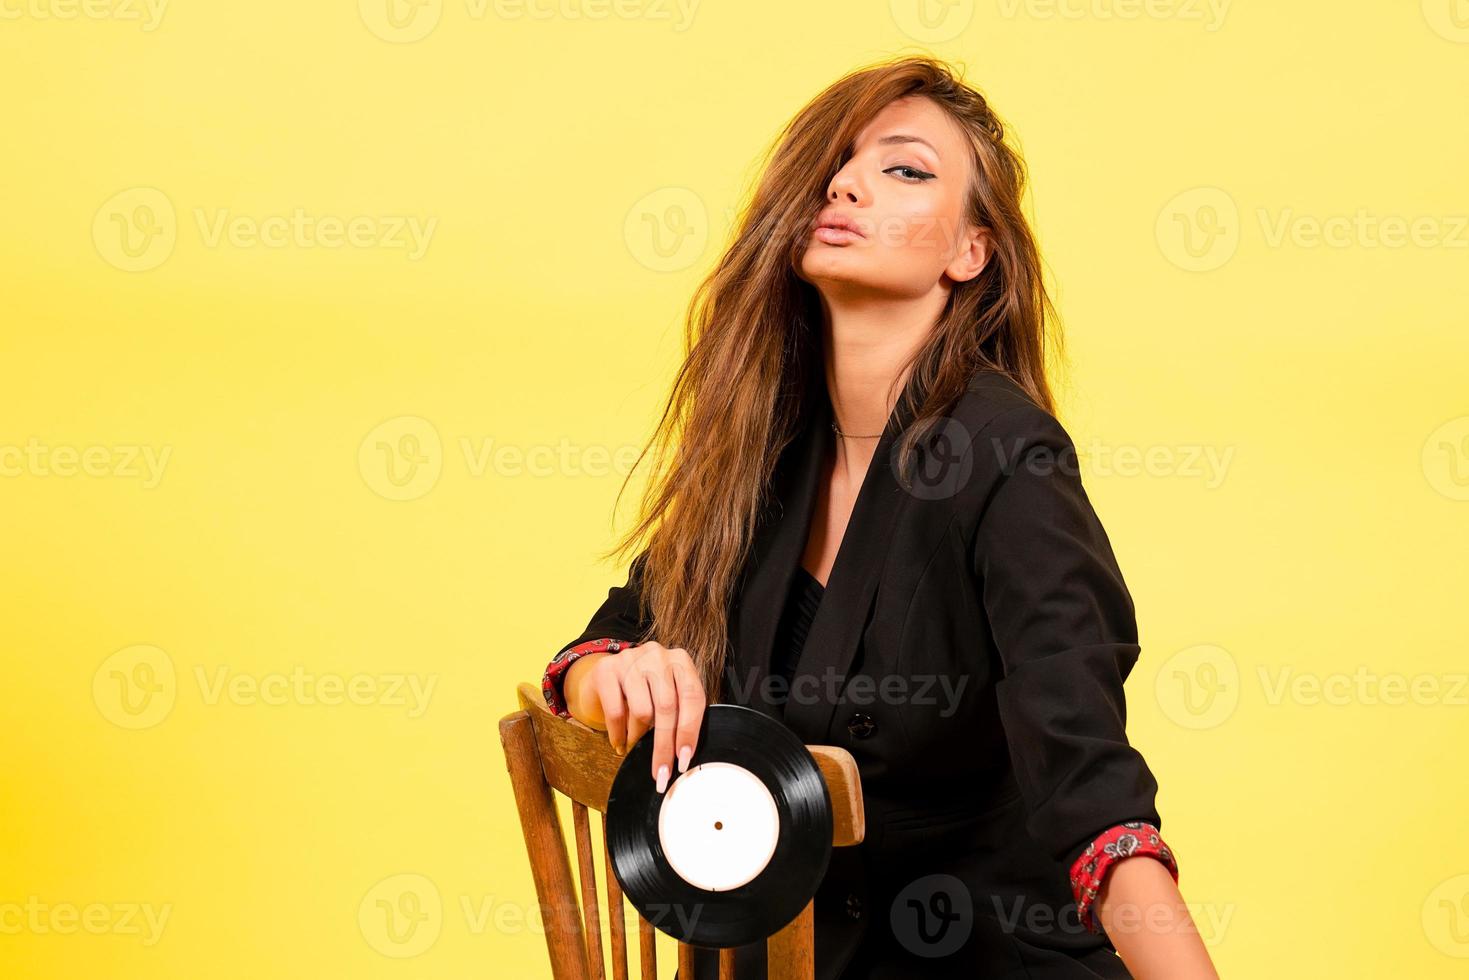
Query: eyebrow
{"type": "Point", "coordinates": [905, 138]}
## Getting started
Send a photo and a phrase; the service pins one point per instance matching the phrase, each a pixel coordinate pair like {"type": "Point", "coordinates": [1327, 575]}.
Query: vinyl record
{"type": "Point", "coordinates": [736, 846]}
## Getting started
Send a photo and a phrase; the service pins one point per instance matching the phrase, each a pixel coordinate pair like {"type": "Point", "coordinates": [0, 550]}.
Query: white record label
{"type": "Point", "coordinates": [718, 826]}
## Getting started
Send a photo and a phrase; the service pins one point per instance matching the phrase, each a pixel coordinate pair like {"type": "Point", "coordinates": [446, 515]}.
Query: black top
{"type": "Point", "coordinates": [795, 622]}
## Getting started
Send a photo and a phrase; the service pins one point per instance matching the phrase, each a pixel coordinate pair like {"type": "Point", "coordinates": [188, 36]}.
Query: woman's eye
{"type": "Point", "coordinates": [914, 174]}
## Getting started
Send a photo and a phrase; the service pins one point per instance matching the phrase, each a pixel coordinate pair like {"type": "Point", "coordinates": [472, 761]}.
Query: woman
{"type": "Point", "coordinates": [917, 577]}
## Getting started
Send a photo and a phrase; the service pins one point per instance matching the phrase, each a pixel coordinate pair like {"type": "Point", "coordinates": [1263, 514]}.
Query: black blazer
{"type": "Point", "coordinates": [987, 598]}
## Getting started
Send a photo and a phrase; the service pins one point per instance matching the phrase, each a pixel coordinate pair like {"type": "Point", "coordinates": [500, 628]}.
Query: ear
{"type": "Point", "coordinates": [972, 255]}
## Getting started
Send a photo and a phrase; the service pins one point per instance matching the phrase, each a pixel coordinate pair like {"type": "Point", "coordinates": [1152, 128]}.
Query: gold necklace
{"type": "Point", "coordinates": [850, 436]}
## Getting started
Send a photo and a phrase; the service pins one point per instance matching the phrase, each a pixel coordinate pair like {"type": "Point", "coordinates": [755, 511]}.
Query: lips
{"type": "Point", "coordinates": [839, 222]}
{"type": "Point", "coordinates": [837, 229]}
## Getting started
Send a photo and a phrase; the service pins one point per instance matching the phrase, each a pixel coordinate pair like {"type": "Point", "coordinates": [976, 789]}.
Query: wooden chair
{"type": "Point", "coordinates": [544, 752]}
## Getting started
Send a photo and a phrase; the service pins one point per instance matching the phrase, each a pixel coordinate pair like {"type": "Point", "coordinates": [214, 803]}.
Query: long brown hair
{"type": "Point", "coordinates": [753, 344]}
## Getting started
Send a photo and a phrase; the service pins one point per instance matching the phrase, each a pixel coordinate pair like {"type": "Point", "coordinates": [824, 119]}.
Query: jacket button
{"type": "Point", "coordinates": [861, 725]}
{"type": "Point", "coordinates": [854, 906]}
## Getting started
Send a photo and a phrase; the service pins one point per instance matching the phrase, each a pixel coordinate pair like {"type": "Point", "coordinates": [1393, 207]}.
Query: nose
{"type": "Point", "coordinates": [845, 186]}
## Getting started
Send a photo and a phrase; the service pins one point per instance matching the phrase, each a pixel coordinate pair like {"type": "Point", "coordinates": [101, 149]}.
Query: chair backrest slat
{"type": "Point", "coordinates": [614, 912]}
{"type": "Point", "coordinates": [791, 953]}
{"type": "Point", "coordinates": [540, 824]}
{"type": "Point", "coordinates": [545, 753]}
{"type": "Point", "coordinates": [647, 949]}
{"type": "Point", "coordinates": [588, 870]}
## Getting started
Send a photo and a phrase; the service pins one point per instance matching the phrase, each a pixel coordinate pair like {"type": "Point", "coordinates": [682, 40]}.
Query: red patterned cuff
{"type": "Point", "coordinates": [1127, 839]}
{"type": "Point", "coordinates": [555, 676]}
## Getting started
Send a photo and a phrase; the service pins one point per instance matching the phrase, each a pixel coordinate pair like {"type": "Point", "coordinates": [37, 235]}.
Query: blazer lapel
{"type": "Point", "coordinates": [775, 554]}
{"type": "Point", "coordinates": [851, 587]}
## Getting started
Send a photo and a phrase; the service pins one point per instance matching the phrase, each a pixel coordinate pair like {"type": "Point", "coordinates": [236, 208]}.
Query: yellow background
{"type": "Point", "coordinates": [580, 168]}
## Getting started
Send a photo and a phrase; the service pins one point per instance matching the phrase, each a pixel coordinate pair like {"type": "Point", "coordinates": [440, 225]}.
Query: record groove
{"type": "Point", "coordinates": [752, 789]}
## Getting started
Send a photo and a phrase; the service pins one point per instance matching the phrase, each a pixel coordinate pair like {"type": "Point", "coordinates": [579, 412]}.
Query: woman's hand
{"type": "Point", "coordinates": [648, 685]}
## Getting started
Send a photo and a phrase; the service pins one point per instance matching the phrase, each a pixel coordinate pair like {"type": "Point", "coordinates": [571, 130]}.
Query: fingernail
{"type": "Point", "coordinates": [662, 778]}
{"type": "Point", "coordinates": [683, 758]}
